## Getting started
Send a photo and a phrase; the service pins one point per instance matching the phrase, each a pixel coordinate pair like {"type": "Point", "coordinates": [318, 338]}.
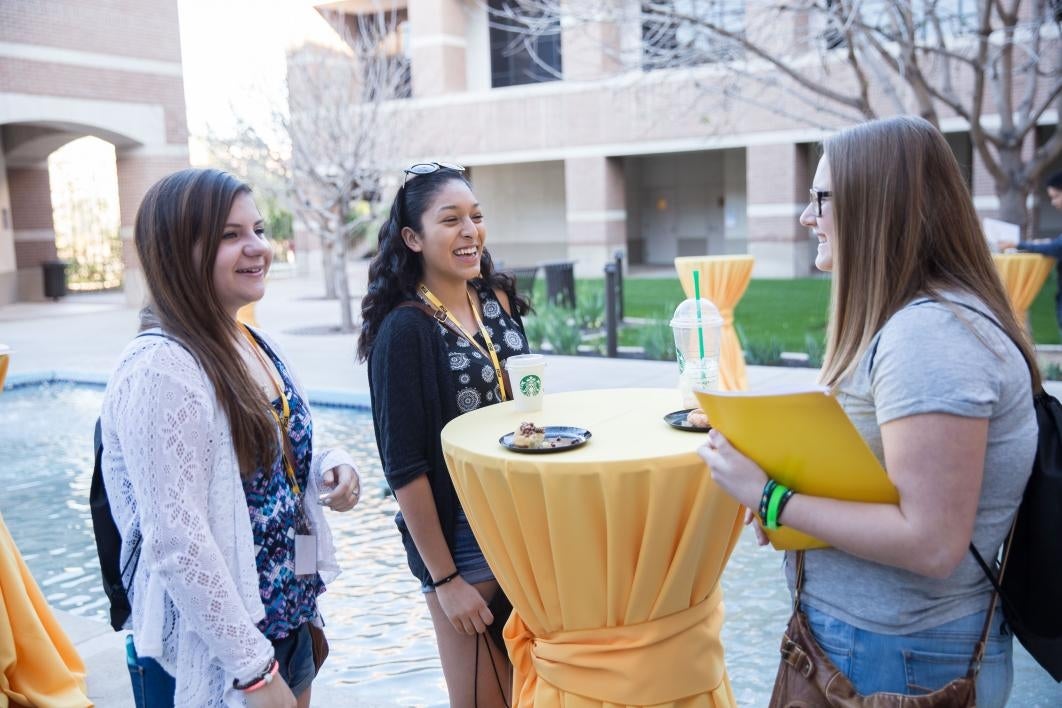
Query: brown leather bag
{"type": "Point", "coordinates": [808, 679]}
{"type": "Point", "coordinates": [319, 644]}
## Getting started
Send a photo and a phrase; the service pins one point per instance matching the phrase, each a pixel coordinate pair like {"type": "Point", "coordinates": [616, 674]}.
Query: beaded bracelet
{"type": "Point", "coordinates": [448, 578]}
{"type": "Point", "coordinates": [766, 497]}
{"type": "Point", "coordinates": [260, 680]}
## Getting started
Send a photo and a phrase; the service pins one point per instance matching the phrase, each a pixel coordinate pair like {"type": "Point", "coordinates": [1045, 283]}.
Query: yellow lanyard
{"type": "Point", "coordinates": [284, 418]}
{"type": "Point", "coordinates": [491, 350]}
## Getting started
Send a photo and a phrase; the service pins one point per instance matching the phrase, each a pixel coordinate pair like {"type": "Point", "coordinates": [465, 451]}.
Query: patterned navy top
{"type": "Point", "coordinates": [290, 600]}
{"type": "Point", "coordinates": [472, 371]}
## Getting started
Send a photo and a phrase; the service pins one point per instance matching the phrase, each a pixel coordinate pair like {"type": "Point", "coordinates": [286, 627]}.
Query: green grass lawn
{"type": "Point", "coordinates": [789, 311]}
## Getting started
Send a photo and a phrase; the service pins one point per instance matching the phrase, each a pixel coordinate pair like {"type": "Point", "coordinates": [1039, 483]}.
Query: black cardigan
{"type": "Point", "coordinates": [413, 398]}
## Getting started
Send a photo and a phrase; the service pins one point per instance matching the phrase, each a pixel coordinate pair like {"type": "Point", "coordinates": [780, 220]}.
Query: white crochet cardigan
{"type": "Point", "coordinates": [170, 470]}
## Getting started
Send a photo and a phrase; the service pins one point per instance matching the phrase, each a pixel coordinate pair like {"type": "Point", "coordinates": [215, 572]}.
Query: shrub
{"type": "Point", "coordinates": [763, 352]}
{"type": "Point", "coordinates": [560, 329]}
{"type": "Point", "coordinates": [657, 340]}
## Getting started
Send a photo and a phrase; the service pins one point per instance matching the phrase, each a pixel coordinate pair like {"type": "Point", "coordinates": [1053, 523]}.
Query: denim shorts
{"type": "Point", "coordinates": [921, 662]}
{"type": "Point", "coordinates": [467, 557]}
{"type": "Point", "coordinates": [154, 688]}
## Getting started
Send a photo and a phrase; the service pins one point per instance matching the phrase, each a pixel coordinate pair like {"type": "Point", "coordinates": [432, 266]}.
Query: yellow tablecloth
{"type": "Point", "coordinates": [723, 281]}
{"type": "Point", "coordinates": [1023, 275]}
{"type": "Point", "coordinates": [38, 664]}
{"type": "Point", "coordinates": [611, 553]}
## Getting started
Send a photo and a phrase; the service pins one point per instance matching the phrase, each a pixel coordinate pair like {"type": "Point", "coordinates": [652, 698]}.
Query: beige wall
{"type": "Point", "coordinates": [524, 208]}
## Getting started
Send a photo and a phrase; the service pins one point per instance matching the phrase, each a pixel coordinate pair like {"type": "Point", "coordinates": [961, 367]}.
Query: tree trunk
{"type": "Point", "coordinates": [1012, 208]}
{"type": "Point", "coordinates": [342, 285]}
{"type": "Point", "coordinates": [328, 268]}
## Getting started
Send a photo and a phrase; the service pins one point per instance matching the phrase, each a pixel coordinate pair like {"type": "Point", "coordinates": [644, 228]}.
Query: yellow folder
{"type": "Point", "coordinates": [804, 440]}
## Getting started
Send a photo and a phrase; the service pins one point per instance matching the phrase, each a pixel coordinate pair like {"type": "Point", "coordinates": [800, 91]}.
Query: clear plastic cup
{"type": "Point", "coordinates": [525, 377]}
{"type": "Point", "coordinates": [697, 326]}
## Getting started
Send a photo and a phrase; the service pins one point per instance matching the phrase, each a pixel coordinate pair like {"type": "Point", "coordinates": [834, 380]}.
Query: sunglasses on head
{"type": "Point", "coordinates": [426, 168]}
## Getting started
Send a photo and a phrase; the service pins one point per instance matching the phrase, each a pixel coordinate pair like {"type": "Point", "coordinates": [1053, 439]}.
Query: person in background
{"type": "Point", "coordinates": [437, 324]}
{"type": "Point", "coordinates": [210, 467]}
{"type": "Point", "coordinates": [920, 355]}
{"type": "Point", "coordinates": [1048, 246]}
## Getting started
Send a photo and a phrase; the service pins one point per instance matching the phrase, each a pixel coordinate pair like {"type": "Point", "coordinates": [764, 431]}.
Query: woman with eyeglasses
{"type": "Point", "coordinates": [210, 468]}
{"type": "Point", "coordinates": [437, 325]}
{"type": "Point", "coordinates": [928, 361]}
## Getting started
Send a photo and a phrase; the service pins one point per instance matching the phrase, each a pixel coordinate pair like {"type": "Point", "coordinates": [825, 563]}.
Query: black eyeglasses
{"type": "Point", "coordinates": [817, 195]}
{"type": "Point", "coordinates": [426, 168]}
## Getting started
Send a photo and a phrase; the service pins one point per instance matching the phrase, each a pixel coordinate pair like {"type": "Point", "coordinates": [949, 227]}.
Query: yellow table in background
{"type": "Point", "coordinates": [5, 360]}
{"type": "Point", "coordinates": [39, 665]}
{"type": "Point", "coordinates": [1023, 275]}
{"type": "Point", "coordinates": [723, 281]}
{"type": "Point", "coordinates": [611, 553]}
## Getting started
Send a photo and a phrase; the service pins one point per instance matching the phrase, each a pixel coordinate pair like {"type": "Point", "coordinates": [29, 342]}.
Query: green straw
{"type": "Point", "coordinates": [697, 294]}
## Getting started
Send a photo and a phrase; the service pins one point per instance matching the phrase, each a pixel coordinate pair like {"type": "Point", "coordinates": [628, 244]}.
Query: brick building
{"type": "Point", "coordinates": [580, 158]}
{"type": "Point", "coordinates": [71, 68]}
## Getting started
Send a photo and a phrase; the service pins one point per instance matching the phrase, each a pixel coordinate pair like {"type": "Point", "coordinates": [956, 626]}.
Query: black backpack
{"type": "Point", "coordinates": [116, 577]}
{"type": "Point", "coordinates": [1031, 585]}
{"type": "Point", "coordinates": [109, 543]}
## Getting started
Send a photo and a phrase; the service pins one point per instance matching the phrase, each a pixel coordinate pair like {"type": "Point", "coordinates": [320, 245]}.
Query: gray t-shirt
{"type": "Point", "coordinates": [932, 358]}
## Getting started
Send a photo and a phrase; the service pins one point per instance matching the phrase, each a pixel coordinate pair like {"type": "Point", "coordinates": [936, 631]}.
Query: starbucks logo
{"type": "Point", "coordinates": [530, 385]}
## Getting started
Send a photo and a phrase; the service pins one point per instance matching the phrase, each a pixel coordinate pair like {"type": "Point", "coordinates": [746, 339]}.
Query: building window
{"type": "Point", "coordinates": [671, 38]}
{"type": "Point", "coordinates": [380, 41]}
{"type": "Point", "coordinates": [525, 47]}
{"type": "Point", "coordinates": [933, 21]}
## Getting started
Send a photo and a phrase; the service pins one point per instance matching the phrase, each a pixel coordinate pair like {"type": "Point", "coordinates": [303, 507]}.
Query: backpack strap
{"type": "Point", "coordinates": [97, 477]}
{"type": "Point", "coordinates": [995, 579]}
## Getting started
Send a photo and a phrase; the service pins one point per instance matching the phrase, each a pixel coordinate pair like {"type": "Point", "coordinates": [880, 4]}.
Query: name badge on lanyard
{"type": "Point", "coordinates": [305, 554]}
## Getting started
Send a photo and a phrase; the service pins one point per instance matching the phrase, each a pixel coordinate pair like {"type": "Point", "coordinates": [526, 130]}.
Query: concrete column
{"type": "Point", "coordinates": [597, 50]}
{"type": "Point", "coordinates": [137, 171]}
{"type": "Point", "coordinates": [438, 46]}
{"type": "Point", "coordinates": [8, 268]}
{"type": "Point", "coordinates": [777, 189]}
{"type": "Point", "coordinates": [596, 212]}
{"type": "Point", "coordinates": [34, 232]}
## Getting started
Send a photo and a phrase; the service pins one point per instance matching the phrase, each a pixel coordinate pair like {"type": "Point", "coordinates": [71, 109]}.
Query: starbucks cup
{"type": "Point", "coordinates": [525, 378]}
{"type": "Point", "coordinates": [697, 326]}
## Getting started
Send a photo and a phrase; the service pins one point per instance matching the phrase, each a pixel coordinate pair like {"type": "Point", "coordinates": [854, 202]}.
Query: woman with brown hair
{"type": "Point", "coordinates": [920, 355]}
{"type": "Point", "coordinates": [210, 468]}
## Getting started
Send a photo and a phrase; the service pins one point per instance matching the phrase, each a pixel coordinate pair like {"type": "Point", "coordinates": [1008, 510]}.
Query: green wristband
{"type": "Point", "coordinates": [772, 506]}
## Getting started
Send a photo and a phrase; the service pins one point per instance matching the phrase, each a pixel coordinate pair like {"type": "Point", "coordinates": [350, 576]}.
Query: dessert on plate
{"type": "Point", "coordinates": [529, 435]}
{"type": "Point", "coordinates": [697, 418]}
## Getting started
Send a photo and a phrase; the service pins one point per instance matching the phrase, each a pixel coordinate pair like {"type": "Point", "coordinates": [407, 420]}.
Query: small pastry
{"type": "Point", "coordinates": [697, 418]}
{"type": "Point", "coordinates": [528, 435]}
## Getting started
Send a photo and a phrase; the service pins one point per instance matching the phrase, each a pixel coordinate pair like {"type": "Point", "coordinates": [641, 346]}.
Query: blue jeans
{"type": "Point", "coordinates": [154, 688]}
{"type": "Point", "coordinates": [920, 662]}
{"type": "Point", "coordinates": [467, 557]}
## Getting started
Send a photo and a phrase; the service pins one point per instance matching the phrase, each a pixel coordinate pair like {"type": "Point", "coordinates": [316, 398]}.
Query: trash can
{"type": "Point", "coordinates": [525, 280]}
{"type": "Point", "coordinates": [54, 279]}
{"type": "Point", "coordinates": [560, 282]}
